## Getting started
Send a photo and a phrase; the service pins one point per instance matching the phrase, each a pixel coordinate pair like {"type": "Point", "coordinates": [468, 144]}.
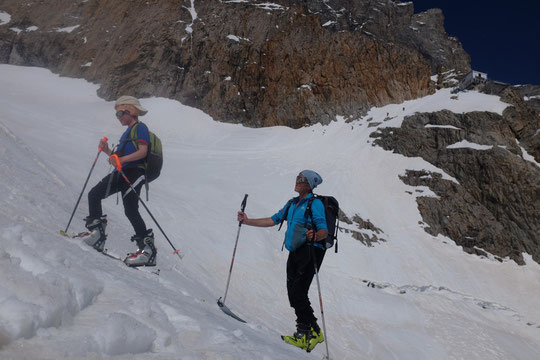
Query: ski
{"type": "Point", "coordinates": [112, 256]}
{"type": "Point", "coordinates": [105, 252]}
{"type": "Point", "coordinates": [74, 235]}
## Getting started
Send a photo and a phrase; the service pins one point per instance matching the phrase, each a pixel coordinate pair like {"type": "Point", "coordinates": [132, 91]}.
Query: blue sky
{"type": "Point", "coordinates": [502, 37]}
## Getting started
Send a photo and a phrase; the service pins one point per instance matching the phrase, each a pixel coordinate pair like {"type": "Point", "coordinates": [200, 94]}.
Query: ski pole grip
{"type": "Point", "coordinates": [242, 208]}
{"type": "Point", "coordinates": [117, 164]}
{"type": "Point", "coordinates": [244, 202]}
{"type": "Point", "coordinates": [104, 139]}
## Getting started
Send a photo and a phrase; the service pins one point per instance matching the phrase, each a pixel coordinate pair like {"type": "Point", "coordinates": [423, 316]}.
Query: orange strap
{"type": "Point", "coordinates": [118, 166]}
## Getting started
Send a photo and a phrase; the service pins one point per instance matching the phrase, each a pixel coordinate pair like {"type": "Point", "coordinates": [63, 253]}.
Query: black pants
{"type": "Point", "coordinates": [300, 272]}
{"type": "Point", "coordinates": [131, 201]}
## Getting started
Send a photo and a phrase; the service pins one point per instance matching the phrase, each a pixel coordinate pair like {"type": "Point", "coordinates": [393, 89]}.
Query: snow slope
{"type": "Point", "coordinates": [426, 298]}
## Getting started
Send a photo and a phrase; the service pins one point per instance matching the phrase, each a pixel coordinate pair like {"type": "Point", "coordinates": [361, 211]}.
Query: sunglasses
{"type": "Point", "coordinates": [121, 113]}
{"type": "Point", "coordinates": [300, 179]}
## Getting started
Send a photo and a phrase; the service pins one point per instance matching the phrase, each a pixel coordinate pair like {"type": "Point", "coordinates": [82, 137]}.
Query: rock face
{"type": "Point", "coordinates": [494, 206]}
{"type": "Point", "coordinates": [286, 63]}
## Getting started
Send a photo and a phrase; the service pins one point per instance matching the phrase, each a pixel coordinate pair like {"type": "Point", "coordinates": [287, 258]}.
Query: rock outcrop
{"type": "Point", "coordinates": [494, 205]}
{"type": "Point", "coordinates": [286, 63]}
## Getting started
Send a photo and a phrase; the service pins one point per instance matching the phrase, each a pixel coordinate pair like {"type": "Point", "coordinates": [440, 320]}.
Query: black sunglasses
{"type": "Point", "coordinates": [121, 113]}
{"type": "Point", "coordinates": [300, 179]}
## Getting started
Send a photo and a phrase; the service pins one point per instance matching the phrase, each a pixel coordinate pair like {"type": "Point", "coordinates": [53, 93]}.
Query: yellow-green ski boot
{"type": "Point", "coordinates": [315, 338]}
{"type": "Point", "coordinates": [301, 339]}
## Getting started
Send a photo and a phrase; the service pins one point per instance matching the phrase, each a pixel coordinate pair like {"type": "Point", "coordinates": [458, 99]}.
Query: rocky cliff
{"type": "Point", "coordinates": [494, 206]}
{"type": "Point", "coordinates": [259, 63]}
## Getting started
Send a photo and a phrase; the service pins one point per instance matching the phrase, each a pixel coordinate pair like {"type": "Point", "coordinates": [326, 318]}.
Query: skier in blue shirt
{"type": "Point", "coordinates": [131, 152]}
{"type": "Point", "coordinates": [300, 240]}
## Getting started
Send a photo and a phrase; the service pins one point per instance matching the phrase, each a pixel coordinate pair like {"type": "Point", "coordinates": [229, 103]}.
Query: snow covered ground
{"type": "Point", "coordinates": [59, 299]}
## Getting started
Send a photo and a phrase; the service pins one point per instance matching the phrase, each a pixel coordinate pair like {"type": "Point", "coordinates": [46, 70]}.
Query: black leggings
{"type": "Point", "coordinates": [300, 272]}
{"type": "Point", "coordinates": [131, 201]}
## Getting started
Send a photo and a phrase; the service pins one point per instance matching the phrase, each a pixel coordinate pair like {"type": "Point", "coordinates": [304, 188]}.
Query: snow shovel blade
{"type": "Point", "coordinates": [227, 311]}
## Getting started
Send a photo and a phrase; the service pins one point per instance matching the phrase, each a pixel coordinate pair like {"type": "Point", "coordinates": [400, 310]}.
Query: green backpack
{"type": "Point", "coordinates": [154, 158]}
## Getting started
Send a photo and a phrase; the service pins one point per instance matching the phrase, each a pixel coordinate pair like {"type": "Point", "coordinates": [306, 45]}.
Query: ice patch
{"type": "Point", "coordinates": [68, 29]}
{"type": "Point", "coordinates": [5, 18]}
{"type": "Point", "coordinates": [469, 145]}
{"type": "Point", "coordinates": [237, 38]}
{"type": "Point", "coordinates": [442, 127]}
{"type": "Point", "coordinates": [194, 16]}
{"type": "Point", "coordinates": [527, 156]}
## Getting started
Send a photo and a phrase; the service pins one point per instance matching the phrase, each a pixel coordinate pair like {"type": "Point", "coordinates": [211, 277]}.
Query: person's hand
{"type": "Point", "coordinates": [112, 160]}
{"type": "Point", "coordinates": [311, 235]}
{"type": "Point", "coordinates": [241, 216]}
{"type": "Point", "coordinates": [104, 145]}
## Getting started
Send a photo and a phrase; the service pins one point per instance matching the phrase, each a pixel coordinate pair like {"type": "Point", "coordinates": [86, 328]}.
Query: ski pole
{"type": "Point", "coordinates": [312, 255]}
{"type": "Point", "coordinates": [119, 168]}
{"type": "Point", "coordinates": [84, 186]}
{"type": "Point", "coordinates": [320, 304]}
{"type": "Point", "coordinates": [243, 207]}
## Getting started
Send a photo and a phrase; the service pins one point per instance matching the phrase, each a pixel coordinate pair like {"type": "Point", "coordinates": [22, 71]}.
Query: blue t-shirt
{"type": "Point", "coordinates": [126, 147]}
{"type": "Point", "coordinates": [297, 223]}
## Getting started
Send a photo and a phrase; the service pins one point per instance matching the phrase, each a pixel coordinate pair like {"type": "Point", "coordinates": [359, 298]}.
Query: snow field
{"type": "Point", "coordinates": [64, 300]}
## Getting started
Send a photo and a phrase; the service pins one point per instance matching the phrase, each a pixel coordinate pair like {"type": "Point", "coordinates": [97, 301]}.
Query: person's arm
{"type": "Point", "coordinates": [262, 222]}
{"type": "Point", "coordinates": [319, 218]}
{"type": "Point", "coordinates": [319, 235]}
{"type": "Point", "coordinates": [143, 139]}
{"type": "Point", "coordinates": [137, 155]}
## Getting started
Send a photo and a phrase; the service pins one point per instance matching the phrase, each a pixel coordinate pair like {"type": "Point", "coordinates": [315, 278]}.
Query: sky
{"type": "Point", "coordinates": [501, 37]}
{"type": "Point", "coordinates": [60, 299]}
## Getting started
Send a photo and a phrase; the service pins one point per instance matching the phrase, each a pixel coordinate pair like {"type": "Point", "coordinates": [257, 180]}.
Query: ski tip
{"type": "Point", "coordinates": [63, 233]}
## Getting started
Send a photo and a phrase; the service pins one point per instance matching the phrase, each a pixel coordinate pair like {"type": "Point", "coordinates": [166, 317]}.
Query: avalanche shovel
{"type": "Point", "coordinates": [220, 303]}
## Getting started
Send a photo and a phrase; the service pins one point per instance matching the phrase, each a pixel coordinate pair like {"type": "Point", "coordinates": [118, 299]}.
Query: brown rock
{"type": "Point", "coordinates": [280, 67]}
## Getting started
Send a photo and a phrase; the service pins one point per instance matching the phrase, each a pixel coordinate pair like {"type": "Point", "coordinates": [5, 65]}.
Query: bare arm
{"type": "Point", "coordinates": [263, 222]}
{"type": "Point", "coordinates": [137, 155]}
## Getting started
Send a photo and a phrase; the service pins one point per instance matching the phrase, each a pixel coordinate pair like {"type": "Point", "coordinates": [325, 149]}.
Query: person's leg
{"type": "Point", "coordinates": [300, 272]}
{"type": "Point", "coordinates": [146, 253]}
{"type": "Point", "coordinates": [99, 192]}
{"type": "Point", "coordinates": [131, 200]}
{"type": "Point", "coordinates": [95, 221]}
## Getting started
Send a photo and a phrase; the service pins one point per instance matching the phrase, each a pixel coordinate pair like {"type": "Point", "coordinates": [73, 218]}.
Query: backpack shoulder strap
{"type": "Point", "coordinates": [308, 212]}
{"type": "Point", "coordinates": [288, 205]}
{"type": "Point", "coordinates": [133, 135]}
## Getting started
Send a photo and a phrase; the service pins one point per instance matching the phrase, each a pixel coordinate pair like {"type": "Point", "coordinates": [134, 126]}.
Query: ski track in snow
{"type": "Point", "coordinates": [62, 300]}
